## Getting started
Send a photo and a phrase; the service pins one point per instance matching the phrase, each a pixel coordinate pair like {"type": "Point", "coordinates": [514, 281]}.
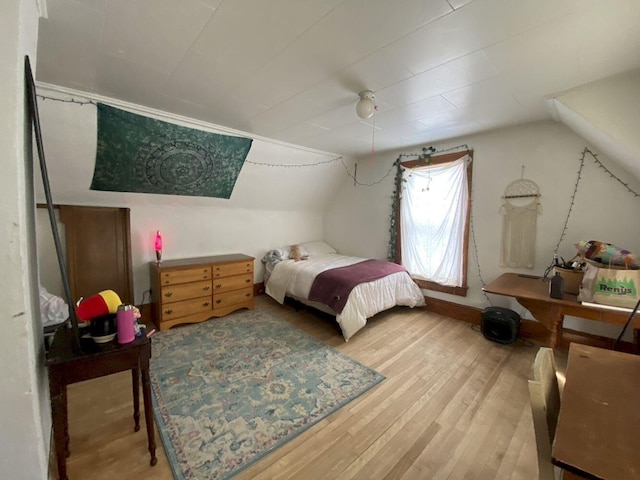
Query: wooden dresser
{"type": "Point", "coordinates": [192, 290]}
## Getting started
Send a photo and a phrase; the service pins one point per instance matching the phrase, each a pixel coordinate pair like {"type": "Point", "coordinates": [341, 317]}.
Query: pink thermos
{"type": "Point", "coordinates": [125, 324]}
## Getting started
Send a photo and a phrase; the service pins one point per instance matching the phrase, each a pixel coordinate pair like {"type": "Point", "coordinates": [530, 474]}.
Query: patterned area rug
{"type": "Point", "coordinates": [230, 390]}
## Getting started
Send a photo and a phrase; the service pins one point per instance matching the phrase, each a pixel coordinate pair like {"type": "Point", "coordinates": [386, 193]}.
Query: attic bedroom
{"type": "Point", "coordinates": [327, 102]}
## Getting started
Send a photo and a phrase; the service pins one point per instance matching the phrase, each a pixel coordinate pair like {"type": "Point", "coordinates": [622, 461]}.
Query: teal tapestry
{"type": "Point", "coordinates": [143, 155]}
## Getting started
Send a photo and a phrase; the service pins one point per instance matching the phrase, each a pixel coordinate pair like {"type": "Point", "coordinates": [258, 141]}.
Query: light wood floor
{"type": "Point", "coordinates": [453, 406]}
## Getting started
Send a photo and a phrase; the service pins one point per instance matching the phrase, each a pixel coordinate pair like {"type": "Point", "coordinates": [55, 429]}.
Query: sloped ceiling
{"type": "Point", "coordinates": [291, 70]}
{"type": "Point", "coordinates": [606, 112]}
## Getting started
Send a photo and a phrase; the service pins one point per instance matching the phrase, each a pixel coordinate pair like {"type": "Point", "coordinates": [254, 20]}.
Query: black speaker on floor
{"type": "Point", "coordinates": [500, 324]}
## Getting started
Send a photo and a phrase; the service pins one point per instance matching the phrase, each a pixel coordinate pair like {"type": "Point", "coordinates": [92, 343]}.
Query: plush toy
{"type": "Point", "coordinates": [103, 303]}
{"type": "Point", "coordinates": [298, 252]}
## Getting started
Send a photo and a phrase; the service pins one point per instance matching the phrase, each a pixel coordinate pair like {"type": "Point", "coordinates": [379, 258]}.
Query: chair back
{"type": "Point", "coordinates": [544, 394]}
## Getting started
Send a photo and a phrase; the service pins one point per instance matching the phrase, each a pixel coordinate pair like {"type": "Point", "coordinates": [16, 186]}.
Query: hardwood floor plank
{"type": "Point", "coordinates": [453, 405]}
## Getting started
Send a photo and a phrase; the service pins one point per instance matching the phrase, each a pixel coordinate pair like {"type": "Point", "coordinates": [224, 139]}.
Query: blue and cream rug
{"type": "Point", "coordinates": [228, 391]}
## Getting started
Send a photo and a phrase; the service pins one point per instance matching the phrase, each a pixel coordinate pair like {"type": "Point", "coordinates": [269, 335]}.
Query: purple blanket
{"type": "Point", "coordinates": [332, 287]}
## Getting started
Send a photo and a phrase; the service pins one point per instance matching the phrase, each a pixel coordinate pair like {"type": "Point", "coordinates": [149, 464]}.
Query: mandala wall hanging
{"type": "Point", "coordinates": [144, 155]}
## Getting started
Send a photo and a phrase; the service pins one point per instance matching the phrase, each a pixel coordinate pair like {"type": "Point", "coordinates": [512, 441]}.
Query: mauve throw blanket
{"type": "Point", "coordinates": [332, 287]}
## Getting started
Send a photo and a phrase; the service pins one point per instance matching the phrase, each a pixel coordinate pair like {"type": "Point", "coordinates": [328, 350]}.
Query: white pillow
{"type": "Point", "coordinates": [318, 248]}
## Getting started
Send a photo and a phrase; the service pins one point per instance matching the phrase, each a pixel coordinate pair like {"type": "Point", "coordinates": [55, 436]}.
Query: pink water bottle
{"type": "Point", "coordinates": [125, 321]}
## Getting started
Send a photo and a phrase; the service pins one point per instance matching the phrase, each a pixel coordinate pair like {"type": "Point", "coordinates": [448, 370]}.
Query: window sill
{"type": "Point", "coordinates": [427, 285]}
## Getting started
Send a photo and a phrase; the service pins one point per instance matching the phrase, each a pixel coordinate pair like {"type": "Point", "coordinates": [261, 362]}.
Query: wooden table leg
{"type": "Point", "coordinates": [135, 381]}
{"type": "Point", "coordinates": [65, 416]}
{"type": "Point", "coordinates": [556, 319]}
{"type": "Point", "coordinates": [59, 420]}
{"type": "Point", "coordinates": [148, 406]}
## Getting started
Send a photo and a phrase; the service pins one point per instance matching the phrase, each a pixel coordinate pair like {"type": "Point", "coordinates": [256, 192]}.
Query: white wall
{"type": "Point", "coordinates": [25, 419]}
{"type": "Point", "coordinates": [358, 220]}
{"type": "Point", "coordinates": [270, 207]}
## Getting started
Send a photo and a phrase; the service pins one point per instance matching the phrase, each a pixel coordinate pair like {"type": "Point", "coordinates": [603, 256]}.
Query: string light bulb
{"type": "Point", "coordinates": [366, 105]}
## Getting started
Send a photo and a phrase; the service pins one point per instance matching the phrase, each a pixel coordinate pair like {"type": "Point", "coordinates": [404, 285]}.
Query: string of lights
{"type": "Point", "coordinates": [575, 191]}
{"type": "Point", "coordinates": [69, 100]}
{"type": "Point", "coordinates": [571, 204]}
{"type": "Point", "coordinates": [601, 165]}
{"type": "Point", "coordinates": [432, 151]}
{"type": "Point", "coordinates": [281, 165]}
{"type": "Point", "coordinates": [475, 248]}
{"type": "Point", "coordinates": [296, 165]}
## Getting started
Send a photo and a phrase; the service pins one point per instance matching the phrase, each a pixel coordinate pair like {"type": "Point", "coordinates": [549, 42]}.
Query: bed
{"type": "Point", "coordinates": [350, 288]}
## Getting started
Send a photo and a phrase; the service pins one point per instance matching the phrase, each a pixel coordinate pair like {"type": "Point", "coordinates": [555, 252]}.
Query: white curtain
{"type": "Point", "coordinates": [433, 215]}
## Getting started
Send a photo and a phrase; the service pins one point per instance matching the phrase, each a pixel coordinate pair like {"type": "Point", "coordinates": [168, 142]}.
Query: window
{"type": "Point", "coordinates": [433, 227]}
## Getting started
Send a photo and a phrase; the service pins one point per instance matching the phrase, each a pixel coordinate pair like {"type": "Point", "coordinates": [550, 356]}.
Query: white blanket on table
{"type": "Point", "coordinates": [365, 300]}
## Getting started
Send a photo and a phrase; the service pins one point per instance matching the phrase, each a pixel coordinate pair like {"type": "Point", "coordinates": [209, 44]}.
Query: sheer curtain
{"type": "Point", "coordinates": [433, 212]}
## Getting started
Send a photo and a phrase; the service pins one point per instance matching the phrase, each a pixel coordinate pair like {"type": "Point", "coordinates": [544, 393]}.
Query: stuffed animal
{"type": "Point", "coordinates": [103, 303]}
{"type": "Point", "coordinates": [296, 253]}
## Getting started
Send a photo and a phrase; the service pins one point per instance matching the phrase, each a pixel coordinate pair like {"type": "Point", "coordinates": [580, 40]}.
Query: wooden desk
{"type": "Point", "coordinates": [599, 419]}
{"type": "Point", "coordinates": [533, 294]}
{"type": "Point", "coordinates": [66, 367]}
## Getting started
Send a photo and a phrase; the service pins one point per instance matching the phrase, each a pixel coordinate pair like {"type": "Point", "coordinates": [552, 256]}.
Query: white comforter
{"type": "Point", "coordinates": [365, 300]}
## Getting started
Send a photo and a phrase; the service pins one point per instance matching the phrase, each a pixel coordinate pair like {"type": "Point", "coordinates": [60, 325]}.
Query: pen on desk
{"type": "Point", "coordinates": [151, 333]}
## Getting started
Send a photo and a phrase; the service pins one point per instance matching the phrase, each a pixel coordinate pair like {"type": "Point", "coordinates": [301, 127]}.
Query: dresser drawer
{"type": "Point", "coordinates": [232, 269]}
{"type": "Point", "coordinates": [185, 291]}
{"type": "Point", "coordinates": [221, 300]}
{"type": "Point", "coordinates": [236, 282]}
{"type": "Point", "coordinates": [171, 311]}
{"type": "Point", "coordinates": [172, 277]}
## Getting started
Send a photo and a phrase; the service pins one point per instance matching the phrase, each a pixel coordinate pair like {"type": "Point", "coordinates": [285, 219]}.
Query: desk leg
{"type": "Point", "coordinates": [59, 419]}
{"type": "Point", "coordinates": [148, 407]}
{"type": "Point", "coordinates": [135, 381]}
{"type": "Point", "coordinates": [548, 314]}
{"type": "Point", "coordinates": [148, 415]}
{"type": "Point", "coordinates": [556, 319]}
{"type": "Point", "coordinates": [65, 416]}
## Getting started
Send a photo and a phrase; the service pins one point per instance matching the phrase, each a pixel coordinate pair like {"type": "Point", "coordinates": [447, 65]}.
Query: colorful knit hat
{"type": "Point", "coordinates": [103, 303]}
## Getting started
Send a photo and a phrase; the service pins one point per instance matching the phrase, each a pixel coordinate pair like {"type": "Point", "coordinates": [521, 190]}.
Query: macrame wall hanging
{"type": "Point", "coordinates": [519, 210]}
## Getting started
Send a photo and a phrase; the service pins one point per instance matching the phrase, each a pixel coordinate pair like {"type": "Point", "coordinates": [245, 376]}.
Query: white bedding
{"type": "Point", "coordinates": [292, 278]}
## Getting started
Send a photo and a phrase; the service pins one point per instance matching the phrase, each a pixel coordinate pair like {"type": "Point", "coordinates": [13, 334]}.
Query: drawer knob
{"type": "Point", "coordinates": [218, 301]}
{"type": "Point", "coordinates": [218, 285]}
{"type": "Point", "coordinates": [248, 280]}
{"type": "Point", "coordinates": [206, 288]}
{"type": "Point", "coordinates": [168, 311]}
{"type": "Point", "coordinates": [205, 304]}
{"type": "Point", "coordinates": [168, 294]}
{"type": "Point", "coordinates": [247, 295]}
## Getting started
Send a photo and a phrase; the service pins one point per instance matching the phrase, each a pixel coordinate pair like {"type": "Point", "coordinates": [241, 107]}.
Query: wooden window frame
{"type": "Point", "coordinates": [426, 284]}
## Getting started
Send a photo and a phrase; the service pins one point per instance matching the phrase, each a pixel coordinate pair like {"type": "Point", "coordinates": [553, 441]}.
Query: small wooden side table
{"type": "Point", "coordinates": [67, 366]}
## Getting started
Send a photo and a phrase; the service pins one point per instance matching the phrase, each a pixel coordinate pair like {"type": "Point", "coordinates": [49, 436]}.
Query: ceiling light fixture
{"type": "Point", "coordinates": [366, 106]}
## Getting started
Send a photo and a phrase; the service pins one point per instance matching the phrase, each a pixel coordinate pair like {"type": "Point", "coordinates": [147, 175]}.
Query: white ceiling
{"type": "Point", "coordinates": [291, 70]}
